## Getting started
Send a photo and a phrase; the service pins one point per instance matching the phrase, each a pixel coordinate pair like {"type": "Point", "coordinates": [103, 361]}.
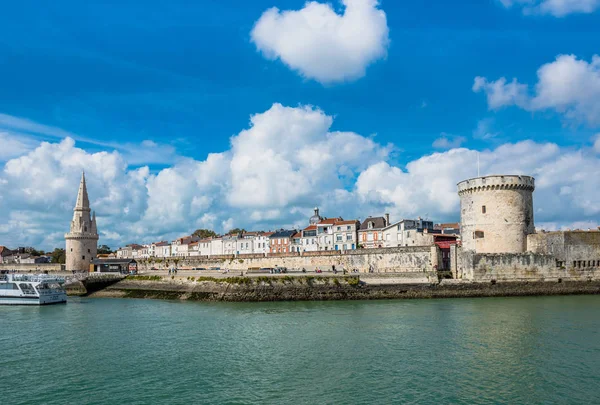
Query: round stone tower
{"type": "Point", "coordinates": [82, 240]}
{"type": "Point", "coordinates": [496, 213]}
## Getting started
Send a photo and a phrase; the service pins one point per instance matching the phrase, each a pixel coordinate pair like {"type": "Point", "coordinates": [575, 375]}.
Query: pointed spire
{"type": "Point", "coordinates": [83, 202]}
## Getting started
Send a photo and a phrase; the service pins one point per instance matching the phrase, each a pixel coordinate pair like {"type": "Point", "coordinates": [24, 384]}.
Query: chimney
{"type": "Point", "coordinates": [387, 219]}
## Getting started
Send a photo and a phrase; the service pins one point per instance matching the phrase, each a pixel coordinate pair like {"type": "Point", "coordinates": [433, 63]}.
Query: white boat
{"type": "Point", "coordinates": [31, 289]}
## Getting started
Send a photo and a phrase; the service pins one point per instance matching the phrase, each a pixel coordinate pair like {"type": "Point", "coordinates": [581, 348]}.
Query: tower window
{"type": "Point", "coordinates": [478, 235]}
{"type": "Point", "coordinates": [483, 209]}
{"type": "Point", "coordinates": [82, 257]}
{"type": "Point", "coordinates": [89, 251]}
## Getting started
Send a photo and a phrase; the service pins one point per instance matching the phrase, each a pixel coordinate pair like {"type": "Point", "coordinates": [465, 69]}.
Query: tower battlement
{"type": "Point", "coordinates": [496, 182]}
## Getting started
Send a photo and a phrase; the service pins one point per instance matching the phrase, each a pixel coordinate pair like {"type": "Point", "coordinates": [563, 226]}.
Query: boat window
{"type": "Point", "coordinates": [8, 286]}
{"type": "Point", "coordinates": [27, 288]}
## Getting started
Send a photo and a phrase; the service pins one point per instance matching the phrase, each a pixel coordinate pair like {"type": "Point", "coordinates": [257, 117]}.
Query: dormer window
{"type": "Point", "coordinates": [370, 225]}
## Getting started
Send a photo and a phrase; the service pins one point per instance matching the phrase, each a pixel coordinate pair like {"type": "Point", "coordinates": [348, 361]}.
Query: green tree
{"type": "Point", "coordinates": [104, 250]}
{"type": "Point", "coordinates": [58, 256]}
{"type": "Point", "coordinates": [204, 233]}
{"type": "Point", "coordinates": [236, 231]}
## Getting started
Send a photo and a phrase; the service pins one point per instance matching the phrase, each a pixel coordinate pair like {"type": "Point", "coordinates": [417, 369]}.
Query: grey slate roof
{"type": "Point", "coordinates": [378, 223]}
{"type": "Point", "coordinates": [283, 234]}
{"type": "Point", "coordinates": [113, 261]}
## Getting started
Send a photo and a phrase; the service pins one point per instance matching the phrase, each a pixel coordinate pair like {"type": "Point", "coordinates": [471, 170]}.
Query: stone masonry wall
{"type": "Point", "coordinates": [572, 249]}
{"type": "Point", "coordinates": [390, 260]}
{"type": "Point", "coordinates": [27, 267]}
{"type": "Point", "coordinates": [518, 267]}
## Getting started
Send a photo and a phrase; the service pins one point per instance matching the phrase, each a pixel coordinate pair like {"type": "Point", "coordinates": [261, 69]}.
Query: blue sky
{"type": "Point", "coordinates": [187, 75]}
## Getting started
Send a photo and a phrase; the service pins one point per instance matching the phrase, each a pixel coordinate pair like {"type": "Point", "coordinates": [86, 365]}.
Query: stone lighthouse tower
{"type": "Point", "coordinates": [82, 240]}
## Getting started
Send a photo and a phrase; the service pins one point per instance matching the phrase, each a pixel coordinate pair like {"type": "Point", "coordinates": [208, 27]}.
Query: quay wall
{"type": "Point", "coordinates": [389, 260]}
{"type": "Point", "coordinates": [243, 289]}
{"type": "Point", "coordinates": [31, 267]}
{"type": "Point", "coordinates": [519, 267]}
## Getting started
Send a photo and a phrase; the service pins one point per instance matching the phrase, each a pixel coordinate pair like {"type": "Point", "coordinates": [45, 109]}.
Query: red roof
{"type": "Point", "coordinates": [346, 222]}
{"type": "Point", "coordinates": [311, 228]}
{"type": "Point", "coordinates": [330, 221]}
{"type": "Point", "coordinates": [296, 235]}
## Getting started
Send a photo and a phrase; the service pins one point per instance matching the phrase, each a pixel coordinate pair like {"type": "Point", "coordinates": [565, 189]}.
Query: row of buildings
{"type": "Point", "coordinates": [321, 234]}
{"type": "Point", "coordinates": [21, 255]}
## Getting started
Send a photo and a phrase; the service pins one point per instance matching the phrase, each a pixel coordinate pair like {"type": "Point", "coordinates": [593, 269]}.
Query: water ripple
{"type": "Point", "coordinates": [540, 350]}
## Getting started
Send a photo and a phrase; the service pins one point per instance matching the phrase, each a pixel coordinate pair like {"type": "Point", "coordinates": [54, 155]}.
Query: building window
{"type": "Point", "coordinates": [348, 236]}
{"type": "Point", "coordinates": [348, 227]}
{"type": "Point", "coordinates": [89, 251]}
{"type": "Point", "coordinates": [478, 235]}
{"type": "Point", "coordinates": [82, 257]}
{"type": "Point", "coordinates": [339, 228]}
{"type": "Point", "coordinates": [483, 209]}
{"type": "Point", "coordinates": [370, 226]}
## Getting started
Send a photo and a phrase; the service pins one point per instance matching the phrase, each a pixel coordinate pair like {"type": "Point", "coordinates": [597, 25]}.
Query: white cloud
{"type": "Point", "coordinates": [322, 44]}
{"type": "Point", "coordinates": [288, 154]}
{"type": "Point", "coordinates": [597, 143]}
{"type": "Point", "coordinates": [500, 93]}
{"type": "Point", "coordinates": [484, 129]}
{"type": "Point", "coordinates": [428, 185]}
{"type": "Point", "coordinates": [568, 85]}
{"type": "Point", "coordinates": [557, 8]}
{"type": "Point", "coordinates": [13, 145]}
{"type": "Point", "coordinates": [447, 141]}
{"type": "Point", "coordinates": [287, 161]}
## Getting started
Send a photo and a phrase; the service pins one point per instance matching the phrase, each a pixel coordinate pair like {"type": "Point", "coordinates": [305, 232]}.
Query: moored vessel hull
{"type": "Point", "coordinates": [60, 299]}
{"type": "Point", "coordinates": [27, 289]}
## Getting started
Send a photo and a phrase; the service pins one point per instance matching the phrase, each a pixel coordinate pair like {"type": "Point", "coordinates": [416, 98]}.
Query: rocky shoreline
{"type": "Point", "coordinates": [264, 289]}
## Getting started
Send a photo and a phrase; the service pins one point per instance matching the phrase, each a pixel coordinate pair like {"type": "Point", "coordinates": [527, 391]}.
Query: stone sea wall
{"type": "Point", "coordinates": [519, 267]}
{"type": "Point", "coordinates": [242, 289]}
{"type": "Point", "coordinates": [391, 260]}
{"type": "Point", "coordinates": [31, 267]}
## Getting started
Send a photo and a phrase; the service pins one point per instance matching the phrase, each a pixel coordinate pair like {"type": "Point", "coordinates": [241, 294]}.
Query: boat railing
{"type": "Point", "coordinates": [36, 278]}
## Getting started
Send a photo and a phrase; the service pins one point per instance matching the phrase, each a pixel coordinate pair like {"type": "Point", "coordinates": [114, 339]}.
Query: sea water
{"type": "Point", "coordinates": [533, 350]}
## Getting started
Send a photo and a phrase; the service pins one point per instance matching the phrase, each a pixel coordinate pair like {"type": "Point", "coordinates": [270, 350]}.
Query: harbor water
{"type": "Point", "coordinates": [534, 350]}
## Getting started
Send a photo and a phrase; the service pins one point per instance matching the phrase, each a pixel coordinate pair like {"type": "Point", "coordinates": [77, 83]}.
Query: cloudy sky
{"type": "Point", "coordinates": [231, 113]}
